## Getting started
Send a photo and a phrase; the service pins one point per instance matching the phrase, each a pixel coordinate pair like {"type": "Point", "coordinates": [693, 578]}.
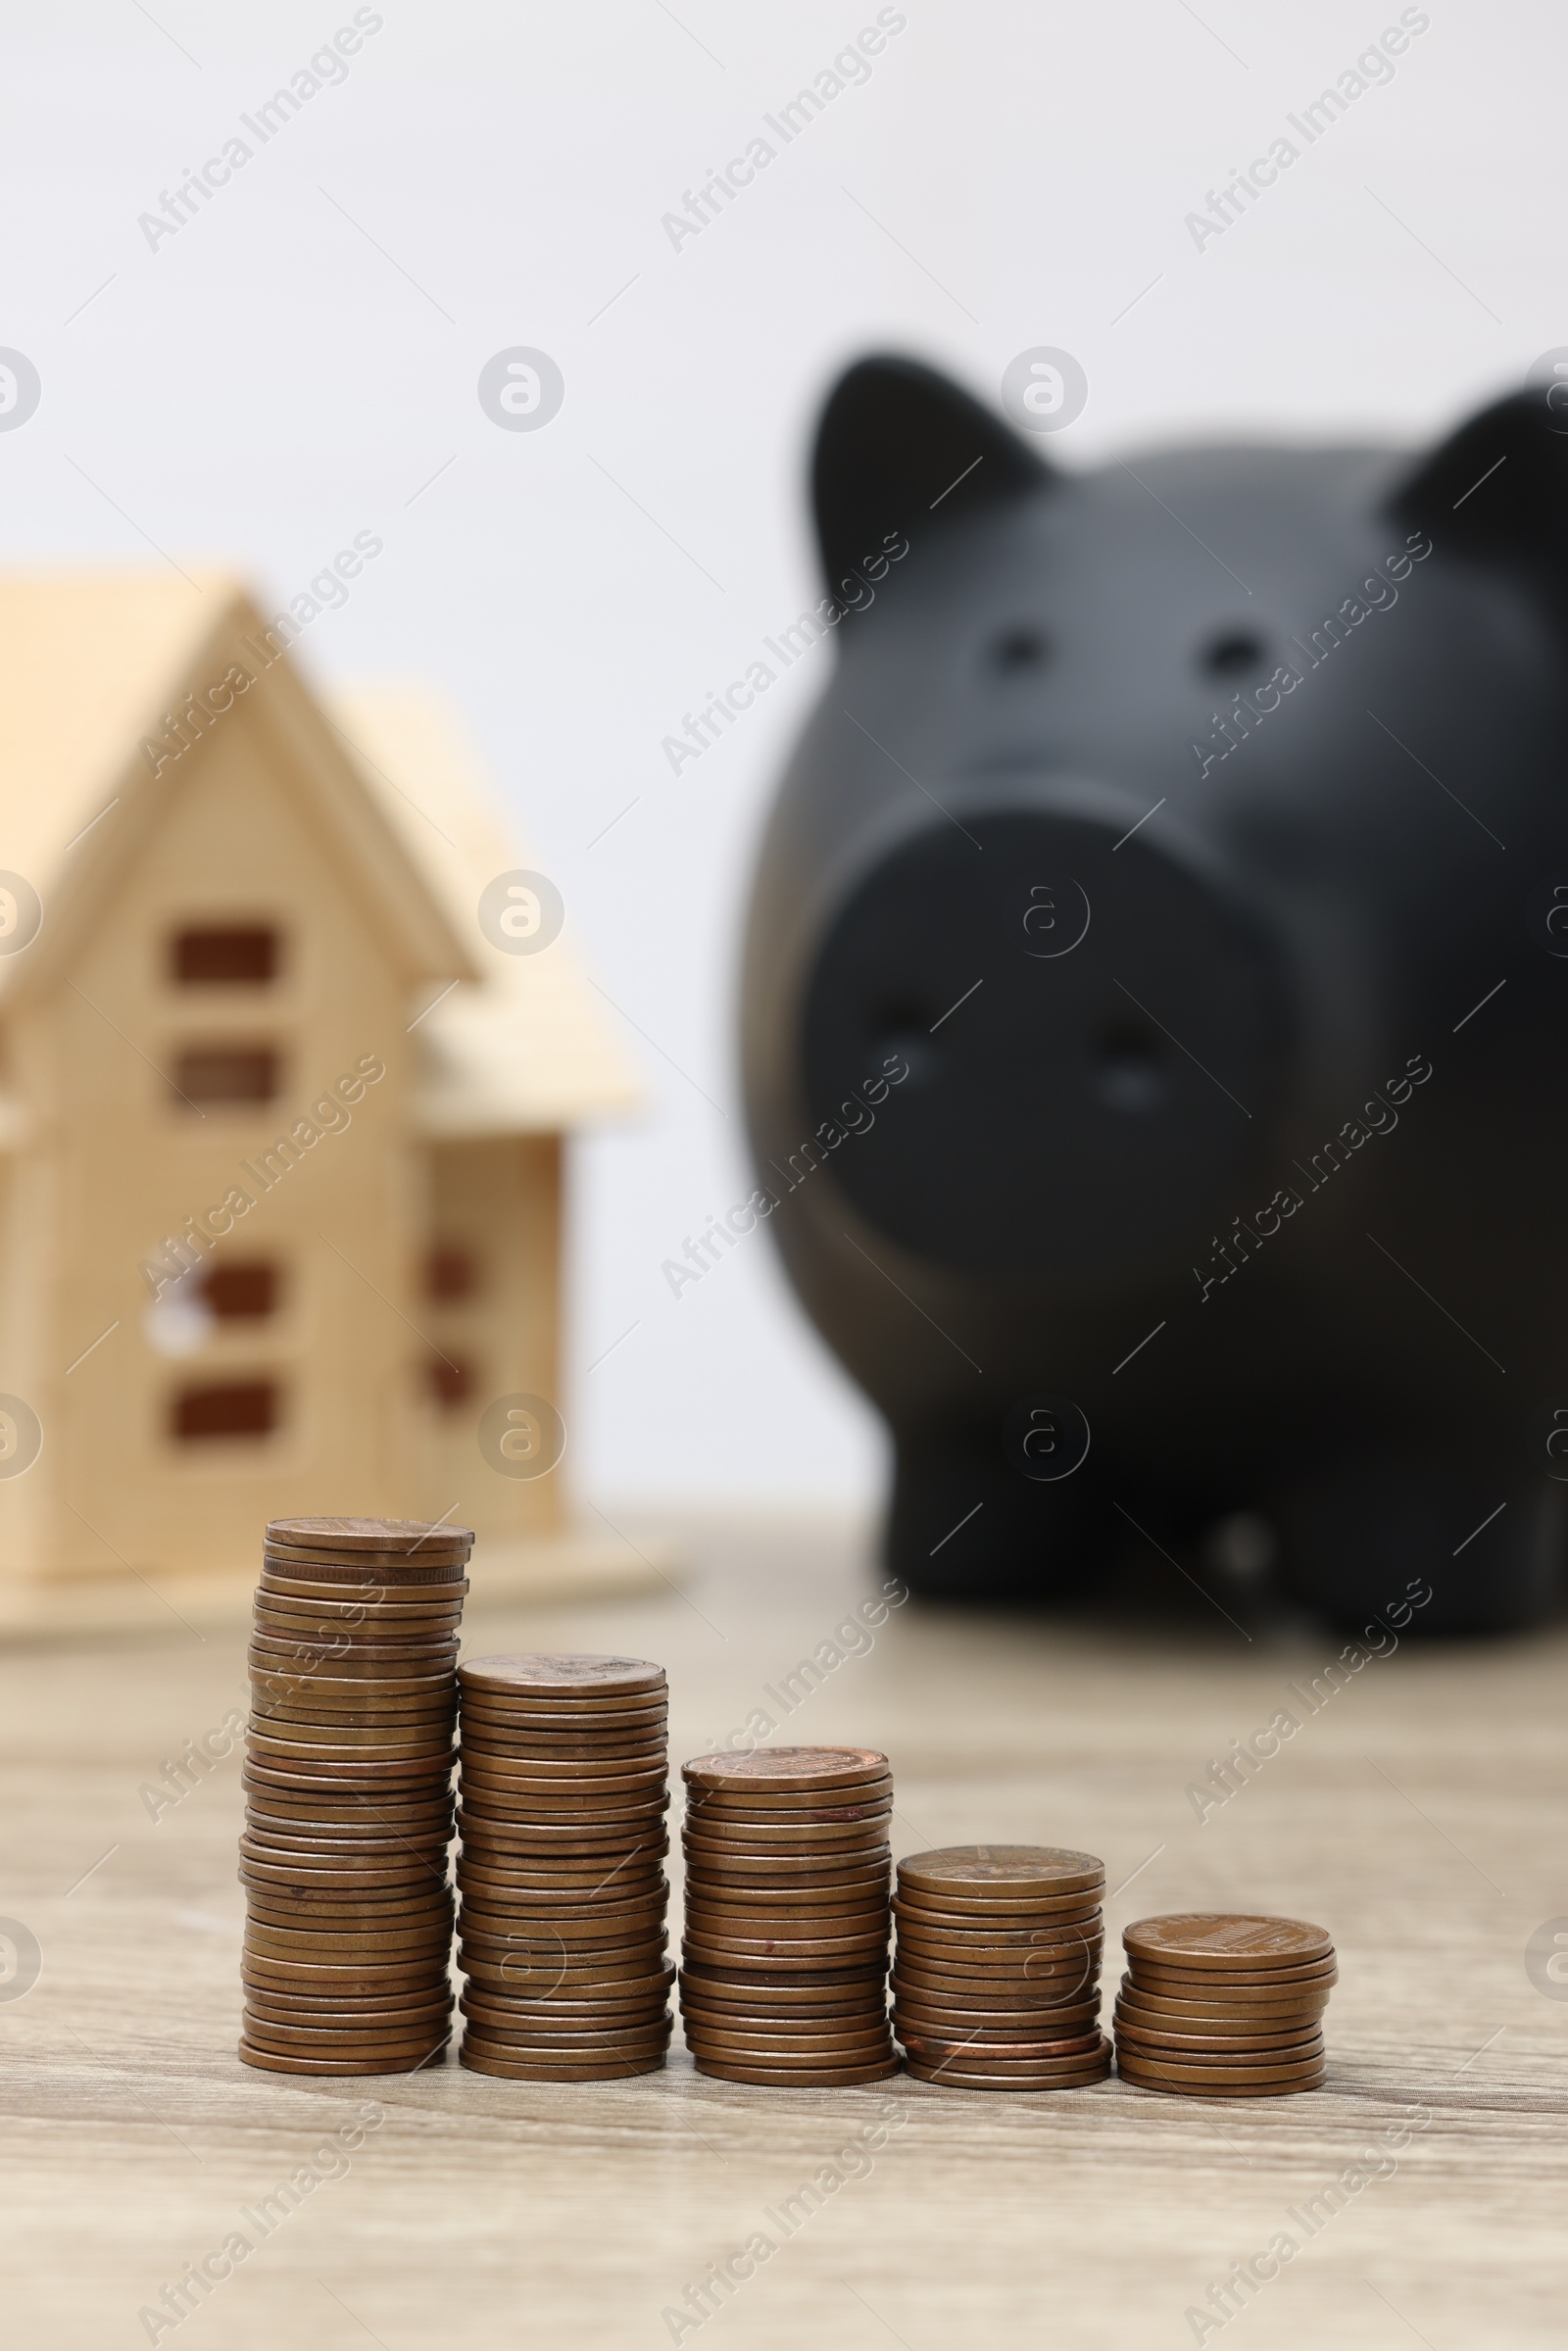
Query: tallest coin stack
{"type": "Point", "coordinates": [348, 1795]}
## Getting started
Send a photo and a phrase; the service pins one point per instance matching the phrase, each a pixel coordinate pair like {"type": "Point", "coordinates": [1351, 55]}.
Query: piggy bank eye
{"type": "Point", "coordinates": [1229, 655]}
{"type": "Point", "coordinates": [1014, 652]}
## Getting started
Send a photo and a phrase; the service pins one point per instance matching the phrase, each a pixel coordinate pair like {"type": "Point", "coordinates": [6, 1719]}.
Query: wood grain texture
{"type": "Point", "coordinates": [1419, 1814]}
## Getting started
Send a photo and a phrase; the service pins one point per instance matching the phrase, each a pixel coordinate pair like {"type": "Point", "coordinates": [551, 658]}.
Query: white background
{"type": "Point", "coordinates": [302, 358]}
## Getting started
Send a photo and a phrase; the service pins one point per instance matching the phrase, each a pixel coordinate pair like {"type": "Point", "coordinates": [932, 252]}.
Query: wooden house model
{"type": "Point", "coordinates": [282, 1113]}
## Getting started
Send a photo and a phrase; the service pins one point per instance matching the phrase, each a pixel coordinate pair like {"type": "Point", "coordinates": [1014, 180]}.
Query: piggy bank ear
{"type": "Point", "coordinates": [899, 448]}
{"type": "Point", "coordinates": [1499, 487]}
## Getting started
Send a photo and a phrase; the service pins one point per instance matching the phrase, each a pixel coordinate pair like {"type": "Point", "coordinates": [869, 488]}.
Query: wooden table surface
{"type": "Point", "coordinates": [1420, 1813]}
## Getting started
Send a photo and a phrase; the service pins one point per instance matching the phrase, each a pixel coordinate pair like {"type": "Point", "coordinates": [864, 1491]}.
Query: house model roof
{"type": "Point", "coordinates": [529, 1048]}
{"type": "Point", "coordinates": [90, 665]}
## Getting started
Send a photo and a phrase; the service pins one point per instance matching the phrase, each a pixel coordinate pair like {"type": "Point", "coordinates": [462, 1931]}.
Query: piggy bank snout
{"type": "Point", "coordinates": [1081, 1034]}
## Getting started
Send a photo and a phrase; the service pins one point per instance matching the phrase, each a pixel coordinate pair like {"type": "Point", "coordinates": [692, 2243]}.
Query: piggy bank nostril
{"type": "Point", "coordinates": [902, 1034]}
{"type": "Point", "coordinates": [1130, 1068]}
{"type": "Point", "coordinates": [1017, 652]}
{"type": "Point", "coordinates": [1232, 653]}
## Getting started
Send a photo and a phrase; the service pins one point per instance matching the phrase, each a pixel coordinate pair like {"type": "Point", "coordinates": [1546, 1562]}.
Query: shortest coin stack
{"type": "Point", "coordinates": [565, 1783]}
{"type": "Point", "coordinates": [996, 1976]}
{"type": "Point", "coordinates": [1218, 2004]}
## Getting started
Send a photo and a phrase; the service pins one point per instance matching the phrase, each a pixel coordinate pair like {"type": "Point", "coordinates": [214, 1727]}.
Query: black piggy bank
{"type": "Point", "coordinates": [1156, 1013]}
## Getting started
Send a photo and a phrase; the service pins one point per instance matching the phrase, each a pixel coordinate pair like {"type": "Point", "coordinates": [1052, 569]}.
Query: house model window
{"type": "Point", "coordinates": [450, 1273]}
{"type": "Point", "coordinates": [218, 1408]}
{"type": "Point", "coordinates": [225, 955]}
{"type": "Point", "coordinates": [228, 1073]}
{"type": "Point", "coordinates": [237, 1292]}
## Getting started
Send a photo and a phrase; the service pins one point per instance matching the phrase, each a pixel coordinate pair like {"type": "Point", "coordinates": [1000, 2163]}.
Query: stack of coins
{"type": "Point", "coordinates": [1219, 2005]}
{"type": "Point", "coordinates": [996, 1979]}
{"type": "Point", "coordinates": [784, 1975]}
{"type": "Point", "coordinates": [348, 1795]}
{"type": "Point", "coordinates": [565, 1783]}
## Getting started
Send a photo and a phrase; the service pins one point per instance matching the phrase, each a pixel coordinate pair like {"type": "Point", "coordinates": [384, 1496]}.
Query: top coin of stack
{"type": "Point", "coordinates": [1222, 2005]}
{"type": "Point", "coordinates": [786, 1942]}
{"type": "Point", "coordinates": [348, 1787]}
{"type": "Point", "coordinates": [996, 1976]}
{"type": "Point", "coordinates": [565, 1783]}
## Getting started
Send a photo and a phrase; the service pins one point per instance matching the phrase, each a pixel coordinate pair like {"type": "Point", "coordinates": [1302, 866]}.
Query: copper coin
{"type": "Point", "coordinates": [385, 1905]}
{"type": "Point", "coordinates": [786, 1768]}
{"type": "Point", "coordinates": [964, 2023]}
{"type": "Point", "coordinates": [1201, 1984]}
{"type": "Point", "coordinates": [828, 1938]}
{"type": "Point", "coordinates": [544, 2024]}
{"type": "Point", "coordinates": [505, 1800]}
{"type": "Point", "coordinates": [931, 2048]}
{"type": "Point", "coordinates": [783, 1958]}
{"type": "Point", "coordinates": [544, 1675]}
{"type": "Point", "coordinates": [580, 2042]}
{"type": "Point", "coordinates": [988, 2066]}
{"type": "Point", "coordinates": [789, 1804]}
{"type": "Point", "coordinates": [651, 1990]}
{"type": "Point", "coordinates": [272, 1742]}
{"type": "Point", "coordinates": [367, 1806]}
{"type": "Point", "coordinates": [301, 1662]}
{"type": "Point", "coordinates": [402, 1535]}
{"type": "Point", "coordinates": [805, 1847]}
{"type": "Point", "coordinates": [320, 2040]}
{"type": "Point", "coordinates": [517, 1776]}
{"type": "Point", "coordinates": [649, 2008]}
{"type": "Point", "coordinates": [277, 2027]}
{"type": "Point", "coordinates": [1070, 2017]}
{"type": "Point", "coordinates": [397, 2062]}
{"type": "Point", "coordinates": [863, 2016]}
{"type": "Point", "coordinates": [418, 1776]}
{"type": "Point", "coordinates": [524, 1963]}
{"type": "Point", "coordinates": [1305, 2074]}
{"type": "Point", "coordinates": [850, 1893]}
{"type": "Point", "coordinates": [336, 1604]}
{"type": "Point", "coordinates": [613, 1886]}
{"type": "Point", "coordinates": [943, 2079]}
{"type": "Point", "coordinates": [291, 1879]}
{"type": "Point", "coordinates": [1226, 1940]}
{"type": "Point", "coordinates": [1026, 1968]}
{"type": "Point", "coordinates": [369, 1578]}
{"type": "Point", "coordinates": [763, 2077]}
{"type": "Point", "coordinates": [480, 2060]}
{"type": "Point", "coordinates": [1141, 2034]}
{"type": "Point", "coordinates": [586, 1771]}
{"type": "Point", "coordinates": [521, 1977]}
{"type": "Point", "coordinates": [998, 1939]}
{"type": "Point", "coordinates": [1295, 2048]}
{"type": "Point", "coordinates": [784, 2057]}
{"type": "Point", "coordinates": [1038, 1918]}
{"type": "Point", "coordinates": [1006, 1990]}
{"type": "Point", "coordinates": [394, 1982]}
{"type": "Point", "coordinates": [734, 1914]}
{"type": "Point", "coordinates": [713, 1988]}
{"type": "Point", "coordinates": [485, 1914]}
{"type": "Point", "coordinates": [434, 1556]}
{"type": "Point", "coordinates": [419, 1855]}
{"type": "Point", "coordinates": [292, 1622]}
{"type": "Point", "coordinates": [1239, 2005]}
{"type": "Point", "coordinates": [354, 1717]}
{"type": "Point", "coordinates": [1258, 2089]}
{"type": "Point", "coordinates": [767, 1836]}
{"type": "Point", "coordinates": [561, 1874]}
{"type": "Point", "coordinates": [594, 1713]}
{"type": "Point", "coordinates": [1015, 1870]}
{"type": "Point", "coordinates": [408, 1946]}
{"type": "Point", "coordinates": [480, 1837]}
{"type": "Point", "coordinates": [545, 1947]}
{"type": "Point", "coordinates": [1044, 1910]}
